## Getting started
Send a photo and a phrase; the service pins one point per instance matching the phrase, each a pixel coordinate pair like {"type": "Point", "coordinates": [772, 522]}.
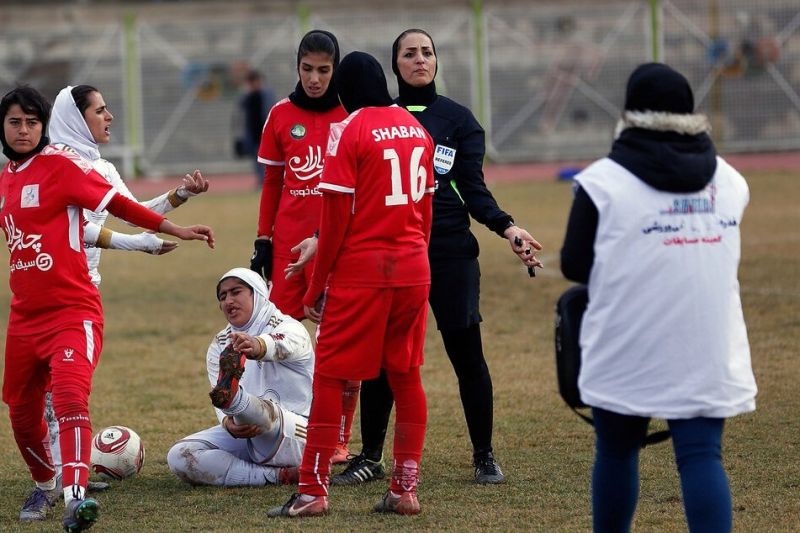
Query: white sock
{"type": "Point", "coordinates": [52, 426]}
{"type": "Point", "coordinates": [248, 409]}
{"type": "Point", "coordinates": [74, 492]}
{"type": "Point", "coordinates": [47, 485]}
{"type": "Point", "coordinates": [305, 498]}
{"type": "Point", "coordinates": [238, 404]}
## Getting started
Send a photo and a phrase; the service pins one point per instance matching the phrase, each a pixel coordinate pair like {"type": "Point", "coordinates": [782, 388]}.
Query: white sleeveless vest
{"type": "Point", "coordinates": [664, 333]}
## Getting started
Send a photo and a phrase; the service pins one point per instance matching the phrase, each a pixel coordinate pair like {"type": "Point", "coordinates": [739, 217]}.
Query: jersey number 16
{"type": "Point", "coordinates": [416, 179]}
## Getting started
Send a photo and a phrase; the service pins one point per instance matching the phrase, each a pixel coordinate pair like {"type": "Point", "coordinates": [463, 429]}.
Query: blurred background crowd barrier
{"type": "Point", "coordinates": [545, 78]}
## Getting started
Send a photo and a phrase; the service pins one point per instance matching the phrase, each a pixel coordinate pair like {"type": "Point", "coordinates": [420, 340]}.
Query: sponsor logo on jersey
{"type": "Point", "coordinates": [443, 158]}
{"type": "Point", "coordinates": [298, 131]}
{"type": "Point", "coordinates": [308, 166]}
{"type": "Point", "coordinates": [17, 240]}
{"type": "Point", "coordinates": [308, 191]}
{"type": "Point", "coordinates": [30, 196]}
{"type": "Point", "coordinates": [68, 353]}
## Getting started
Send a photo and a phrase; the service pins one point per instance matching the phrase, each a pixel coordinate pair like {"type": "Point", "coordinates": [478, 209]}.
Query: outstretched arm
{"type": "Point", "coordinates": [97, 236]}
{"type": "Point", "coordinates": [134, 213]}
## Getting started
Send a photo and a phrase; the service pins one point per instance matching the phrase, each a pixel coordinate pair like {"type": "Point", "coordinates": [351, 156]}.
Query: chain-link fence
{"type": "Point", "coordinates": [545, 78]}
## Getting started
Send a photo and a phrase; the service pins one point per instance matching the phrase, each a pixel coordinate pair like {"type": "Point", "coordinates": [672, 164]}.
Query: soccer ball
{"type": "Point", "coordinates": [117, 453]}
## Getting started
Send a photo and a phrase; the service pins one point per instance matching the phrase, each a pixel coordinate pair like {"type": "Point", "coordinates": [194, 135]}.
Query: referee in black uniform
{"type": "Point", "coordinates": [455, 274]}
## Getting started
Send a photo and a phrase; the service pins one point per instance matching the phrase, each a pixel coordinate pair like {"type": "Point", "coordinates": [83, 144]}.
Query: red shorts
{"type": "Point", "coordinates": [287, 294]}
{"type": "Point", "coordinates": [366, 329]}
{"type": "Point", "coordinates": [32, 361]}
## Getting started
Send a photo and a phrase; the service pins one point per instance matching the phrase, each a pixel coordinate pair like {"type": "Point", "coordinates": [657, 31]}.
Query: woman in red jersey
{"type": "Point", "coordinates": [293, 149]}
{"type": "Point", "coordinates": [55, 325]}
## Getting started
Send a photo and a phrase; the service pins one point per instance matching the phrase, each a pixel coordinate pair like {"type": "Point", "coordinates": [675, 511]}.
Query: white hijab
{"type": "Point", "coordinates": [67, 126]}
{"type": "Point", "coordinates": [263, 309]}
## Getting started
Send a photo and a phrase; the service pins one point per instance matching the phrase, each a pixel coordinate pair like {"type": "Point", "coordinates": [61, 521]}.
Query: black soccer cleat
{"type": "Point", "coordinates": [359, 470]}
{"type": "Point", "coordinates": [487, 471]}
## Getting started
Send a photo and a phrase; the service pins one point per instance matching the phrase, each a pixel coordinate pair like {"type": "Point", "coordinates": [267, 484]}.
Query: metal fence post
{"type": "Point", "coordinates": [480, 75]}
{"type": "Point", "coordinates": [656, 31]}
{"type": "Point", "coordinates": [133, 96]}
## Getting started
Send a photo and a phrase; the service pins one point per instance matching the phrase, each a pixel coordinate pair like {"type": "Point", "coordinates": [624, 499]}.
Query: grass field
{"type": "Point", "coordinates": [161, 314]}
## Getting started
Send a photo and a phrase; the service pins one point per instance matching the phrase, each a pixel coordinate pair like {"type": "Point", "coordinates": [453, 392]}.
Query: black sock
{"type": "Point", "coordinates": [465, 350]}
{"type": "Point", "coordinates": [376, 407]}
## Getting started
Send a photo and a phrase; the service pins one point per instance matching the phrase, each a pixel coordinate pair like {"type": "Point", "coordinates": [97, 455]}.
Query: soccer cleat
{"type": "Point", "coordinates": [231, 368]}
{"type": "Point", "coordinates": [487, 471]}
{"type": "Point", "coordinates": [38, 504]}
{"type": "Point", "coordinates": [297, 508]}
{"type": "Point", "coordinates": [359, 470]}
{"type": "Point", "coordinates": [340, 455]}
{"type": "Point", "coordinates": [405, 503]}
{"type": "Point", "coordinates": [288, 475]}
{"type": "Point", "coordinates": [91, 486]}
{"type": "Point", "coordinates": [80, 515]}
{"type": "Point", "coordinates": [97, 486]}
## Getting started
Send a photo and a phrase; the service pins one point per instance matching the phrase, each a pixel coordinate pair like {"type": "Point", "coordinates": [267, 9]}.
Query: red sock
{"type": "Point", "coordinates": [409, 430]}
{"type": "Point", "coordinates": [349, 403]}
{"type": "Point", "coordinates": [75, 439]}
{"type": "Point", "coordinates": [30, 433]}
{"type": "Point", "coordinates": [71, 405]}
{"type": "Point", "coordinates": [323, 430]}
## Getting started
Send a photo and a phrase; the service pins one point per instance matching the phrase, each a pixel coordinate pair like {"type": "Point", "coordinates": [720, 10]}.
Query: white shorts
{"type": "Point", "coordinates": [285, 450]}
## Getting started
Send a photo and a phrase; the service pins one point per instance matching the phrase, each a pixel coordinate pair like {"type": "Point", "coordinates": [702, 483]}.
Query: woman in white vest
{"type": "Point", "coordinates": [654, 231]}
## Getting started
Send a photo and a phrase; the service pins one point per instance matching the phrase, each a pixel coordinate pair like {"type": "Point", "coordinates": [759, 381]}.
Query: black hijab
{"type": "Point", "coordinates": [32, 102]}
{"type": "Point", "coordinates": [410, 95]}
{"type": "Point", "coordinates": [329, 100]}
{"type": "Point", "coordinates": [667, 160]}
{"type": "Point", "coordinates": [360, 82]}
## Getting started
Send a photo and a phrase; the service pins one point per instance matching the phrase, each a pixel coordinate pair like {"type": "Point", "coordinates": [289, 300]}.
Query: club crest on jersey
{"type": "Point", "coordinates": [443, 158]}
{"type": "Point", "coordinates": [30, 196]}
{"type": "Point", "coordinates": [298, 131]}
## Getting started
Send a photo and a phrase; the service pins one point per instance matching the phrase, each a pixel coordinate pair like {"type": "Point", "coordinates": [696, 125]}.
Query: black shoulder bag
{"type": "Point", "coordinates": [569, 314]}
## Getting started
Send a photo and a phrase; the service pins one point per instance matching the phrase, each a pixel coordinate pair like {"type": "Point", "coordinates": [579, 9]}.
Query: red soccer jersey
{"type": "Point", "coordinates": [295, 138]}
{"type": "Point", "coordinates": [41, 203]}
{"type": "Point", "coordinates": [382, 157]}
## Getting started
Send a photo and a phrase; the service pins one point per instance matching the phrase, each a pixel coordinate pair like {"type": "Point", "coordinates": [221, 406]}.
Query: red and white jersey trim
{"type": "Point", "coordinates": [336, 188]}
{"type": "Point", "coordinates": [271, 162]}
{"type": "Point", "coordinates": [107, 198]}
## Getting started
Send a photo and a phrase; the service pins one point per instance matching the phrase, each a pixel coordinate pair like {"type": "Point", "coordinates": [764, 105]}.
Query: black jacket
{"type": "Point", "coordinates": [461, 191]}
{"type": "Point", "coordinates": [665, 160]}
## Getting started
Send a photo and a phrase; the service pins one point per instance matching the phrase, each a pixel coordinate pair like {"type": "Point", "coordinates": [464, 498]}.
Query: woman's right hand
{"type": "Point", "coordinates": [196, 232]}
{"type": "Point", "coordinates": [240, 431]}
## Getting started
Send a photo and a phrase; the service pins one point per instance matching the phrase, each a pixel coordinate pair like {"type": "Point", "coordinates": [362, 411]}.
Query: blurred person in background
{"type": "Point", "coordinates": [80, 122]}
{"type": "Point", "coordinates": [654, 232]}
{"type": "Point", "coordinates": [455, 273]}
{"type": "Point", "coordinates": [260, 366]}
{"type": "Point", "coordinates": [254, 106]}
{"type": "Point", "coordinates": [293, 149]}
{"type": "Point", "coordinates": [370, 283]}
{"type": "Point", "coordinates": [55, 326]}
